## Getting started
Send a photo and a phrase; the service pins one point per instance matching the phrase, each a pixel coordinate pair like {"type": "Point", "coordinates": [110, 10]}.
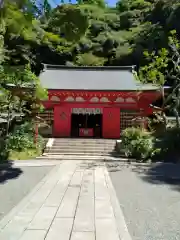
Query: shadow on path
{"type": "Point", "coordinates": [160, 173]}
{"type": "Point", "coordinates": [117, 165]}
{"type": "Point", "coordinates": [155, 173]}
{"type": "Point", "coordinates": [8, 172]}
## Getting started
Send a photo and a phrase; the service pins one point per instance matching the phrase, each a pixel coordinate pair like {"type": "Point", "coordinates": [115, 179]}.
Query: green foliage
{"type": "Point", "coordinates": [88, 33]}
{"type": "Point", "coordinates": [166, 146]}
{"type": "Point", "coordinates": [154, 71]}
{"type": "Point", "coordinates": [4, 152]}
{"type": "Point", "coordinates": [99, 3]}
{"type": "Point", "coordinates": [171, 140]}
{"type": "Point", "coordinates": [119, 35]}
{"type": "Point", "coordinates": [19, 144]}
{"type": "Point", "coordinates": [88, 59]}
{"type": "Point", "coordinates": [69, 22]}
{"type": "Point", "coordinates": [137, 143]}
{"type": "Point", "coordinates": [20, 77]}
{"type": "Point", "coordinates": [24, 155]}
{"type": "Point", "coordinates": [130, 5]}
{"type": "Point", "coordinates": [130, 19]}
{"type": "Point", "coordinates": [163, 67]}
{"type": "Point", "coordinates": [22, 138]}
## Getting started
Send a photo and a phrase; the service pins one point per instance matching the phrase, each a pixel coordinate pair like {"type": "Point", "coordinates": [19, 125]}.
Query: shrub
{"type": "Point", "coordinates": [137, 143]}
{"type": "Point", "coordinates": [168, 146]}
{"type": "Point", "coordinates": [22, 138]}
{"type": "Point", "coordinates": [171, 140]}
{"type": "Point", "coordinates": [4, 152]}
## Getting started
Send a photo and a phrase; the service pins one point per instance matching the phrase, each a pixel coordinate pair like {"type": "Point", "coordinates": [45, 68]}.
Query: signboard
{"type": "Point", "coordinates": [86, 110]}
{"type": "Point", "coordinates": [86, 132]}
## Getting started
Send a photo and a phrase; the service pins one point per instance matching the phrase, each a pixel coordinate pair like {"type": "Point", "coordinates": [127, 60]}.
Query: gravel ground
{"type": "Point", "coordinates": [16, 183]}
{"type": "Point", "coordinates": [150, 199]}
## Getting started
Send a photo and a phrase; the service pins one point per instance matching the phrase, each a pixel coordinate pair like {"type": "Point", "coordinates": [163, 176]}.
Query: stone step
{"type": "Point", "coordinates": [83, 147]}
{"type": "Point", "coordinates": [80, 153]}
{"type": "Point", "coordinates": [80, 150]}
{"type": "Point", "coordinates": [70, 157]}
{"type": "Point", "coordinates": [76, 142]}
{"type": "Point", "coordinates": [86, 143]}
{"type": "Point", "coordinates": [81, 157]}
{"type": "Point", "coordinates": [85, 139]}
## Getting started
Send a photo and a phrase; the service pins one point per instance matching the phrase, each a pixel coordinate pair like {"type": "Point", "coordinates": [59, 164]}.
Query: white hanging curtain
{"type": "Point", "coordinates": [86, 111]}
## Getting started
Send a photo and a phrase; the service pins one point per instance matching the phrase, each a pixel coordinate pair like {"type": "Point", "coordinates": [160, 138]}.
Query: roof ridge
{"type": "Point", "coordinates": [51, 66]}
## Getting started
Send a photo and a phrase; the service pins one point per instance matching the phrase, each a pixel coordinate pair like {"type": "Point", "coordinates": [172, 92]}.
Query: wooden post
{"type": "Point", "coordinates": [36, 133]}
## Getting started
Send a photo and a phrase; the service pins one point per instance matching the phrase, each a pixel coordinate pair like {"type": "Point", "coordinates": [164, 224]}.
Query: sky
{"type": "Point", "coordinates": [54, 3]}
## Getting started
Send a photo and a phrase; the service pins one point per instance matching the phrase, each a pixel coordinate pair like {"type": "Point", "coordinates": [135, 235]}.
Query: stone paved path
{"type": "Point", "coordinates": [75, 201]}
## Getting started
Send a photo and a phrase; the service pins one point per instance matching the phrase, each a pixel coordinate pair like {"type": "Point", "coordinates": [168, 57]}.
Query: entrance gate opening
{"type": "Point", "coordinates": [86, 125]}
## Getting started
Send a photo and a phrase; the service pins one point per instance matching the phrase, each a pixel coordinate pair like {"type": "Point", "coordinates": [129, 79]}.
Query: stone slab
{"type": "Point", "coordinates": [87, 187]}
{"type": "Point", "coordinates": [30, 210]}
{"type": "Point", "coordinates": [45, 190]}
{"type": "Point", "coordinates": [69, 203]}
{"type": "Point", "coordinates": [84, 219]}
{"type": "Point", "coordinates": [103, 209]}
{"type": "Point", "coordinates": [84, 196]}
{"type": "Point", "coordinates": [101, 191]}
{"type": "Point", "coordinates": [82, 236]}
{"type": "Point", "coordinates": [15, 228]}
{"type": "Point", "coordinates": [119, 217]}
{"type": "Point", "coordinates": [43, 218]}
{"type": "Point", "coordinates": [56, 196]}
{"type": "Point", "coordinates": [60, 229]}
{"type": "Point", "coordinates": [77, 178]}
{"type": "Point", "coordinates": [33, 235]}
{"type": "Point", "coordinates": [106, 229]}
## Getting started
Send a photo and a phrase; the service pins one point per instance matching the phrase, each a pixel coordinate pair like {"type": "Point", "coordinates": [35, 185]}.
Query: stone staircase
{"type": "Point", "coordinates": [79, 148]}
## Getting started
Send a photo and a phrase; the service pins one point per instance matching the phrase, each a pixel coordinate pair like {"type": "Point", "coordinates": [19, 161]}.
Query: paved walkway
{"type": "Point", "coordinates": [75, 201]}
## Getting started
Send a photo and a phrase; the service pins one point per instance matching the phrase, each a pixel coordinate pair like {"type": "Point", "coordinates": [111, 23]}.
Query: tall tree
{"type": "Point", "coordinates": [163, 67]}
{"type": "Point", "coordinates": [69, 22]}
{"type": "Point", "coordinates": [99, 3]}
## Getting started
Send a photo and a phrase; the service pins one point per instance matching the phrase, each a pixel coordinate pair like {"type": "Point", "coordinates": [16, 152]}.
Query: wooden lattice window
{"type": "Point", "coordinates": [47, 116]}
{"type": "Point", "coordinates": [46, 122]}
{"type": "Point", "coordinates": [126, 118]}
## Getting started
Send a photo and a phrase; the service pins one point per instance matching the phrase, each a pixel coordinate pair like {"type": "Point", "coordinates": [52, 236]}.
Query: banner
{"type": "Point", "coordinates": [86, 111]}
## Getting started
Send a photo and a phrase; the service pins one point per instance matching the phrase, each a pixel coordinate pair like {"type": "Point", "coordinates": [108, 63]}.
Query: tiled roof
{"type": "Point", "coordinates": [90, 78]}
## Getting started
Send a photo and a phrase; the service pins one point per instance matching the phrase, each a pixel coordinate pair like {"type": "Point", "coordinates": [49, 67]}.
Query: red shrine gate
{"type": "Point", "coordinates": [110, 124]}
{"type": "Point", "coordinates": [72, 110]}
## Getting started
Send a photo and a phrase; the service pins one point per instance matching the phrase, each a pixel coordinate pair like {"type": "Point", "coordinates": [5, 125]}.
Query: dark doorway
{"type": "Point", "coordinates": [87, 122]}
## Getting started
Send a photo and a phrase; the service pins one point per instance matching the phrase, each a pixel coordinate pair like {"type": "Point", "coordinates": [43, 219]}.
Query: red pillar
{"type": "Point", "coordinates": [36, 133]}
{"type": "Point", "coordinates": [62, 121]}
{"type": "Point", "coordinates": [111, 122]}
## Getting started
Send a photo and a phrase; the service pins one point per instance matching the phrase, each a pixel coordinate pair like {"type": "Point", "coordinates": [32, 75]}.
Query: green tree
{"type": "Point", "coordinates": [21, 87]}
{"type": "Point", "coordinates": [164, 66]}
{"type": "Point", "coordinates": [88, 59]}
{"type": "Point", "coordinates": [154, 72]}
{"type": "Point", "coordinates": [99, 3]}
{"type": "Point", "coordinates": [69, 22]}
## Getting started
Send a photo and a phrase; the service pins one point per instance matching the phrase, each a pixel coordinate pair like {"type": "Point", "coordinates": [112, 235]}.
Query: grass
{"type": "Point", "coordinates": [24, 155]}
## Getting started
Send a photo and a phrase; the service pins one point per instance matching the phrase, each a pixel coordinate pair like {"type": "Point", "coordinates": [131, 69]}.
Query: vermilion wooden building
{"type": "Point", "coordinates": [94, 101]}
